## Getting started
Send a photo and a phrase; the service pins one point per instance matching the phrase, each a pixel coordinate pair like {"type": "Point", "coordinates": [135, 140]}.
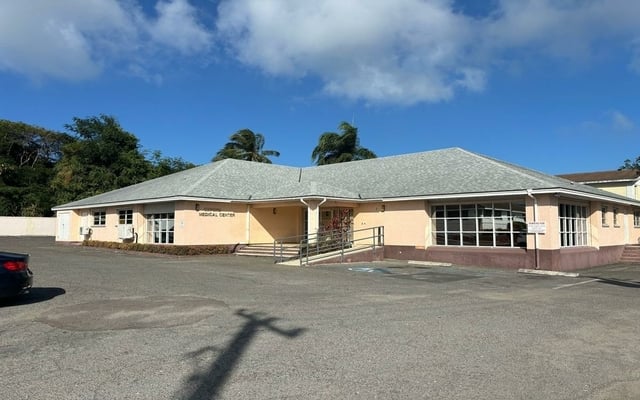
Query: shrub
{"type": "Point", "coordinates": [168, 249]}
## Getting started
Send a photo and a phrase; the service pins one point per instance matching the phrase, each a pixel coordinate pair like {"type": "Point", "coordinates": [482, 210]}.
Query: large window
{"type": "Point", "coordinates": [573, 225]}
{"type": "Point", "coordinates": [99, 218]}
{"type": "Point", "coordinates": [160, 227]}
{"type": "Point", "coordinates": [487, 224]}
{"type": "Point", "coordinates": [125, 217]}
{"type": "Point", "coordinates": [636, 219]}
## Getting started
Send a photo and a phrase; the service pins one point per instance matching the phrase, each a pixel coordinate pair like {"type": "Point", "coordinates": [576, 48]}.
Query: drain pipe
{"type": "Point", "coordinates": [535, 218]}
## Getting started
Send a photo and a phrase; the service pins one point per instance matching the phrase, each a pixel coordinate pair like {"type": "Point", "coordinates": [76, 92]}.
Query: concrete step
{"type": "Point", "coordinates": [267, 250]}
{"type": "Point", "coordinates": [631, 254]}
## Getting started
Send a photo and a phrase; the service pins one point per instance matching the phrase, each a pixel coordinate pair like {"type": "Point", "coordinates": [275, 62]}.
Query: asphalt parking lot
{"type": "Point", "coordinates": [103, 324]}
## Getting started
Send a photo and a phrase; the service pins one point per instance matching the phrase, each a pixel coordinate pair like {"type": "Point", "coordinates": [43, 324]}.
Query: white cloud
{"type": "Point", "coordinates": [621, 122]}
{"type": "Point", "coordinates": [607, 123]}
{"type": "Point", "coordinates": [409, 51]}
{"type": "Point", "coordinates": [401, 51]}
{"type": "Point", "coordinates": [177, 27]}
{"type": "Point", "coordinates": [77, 39]}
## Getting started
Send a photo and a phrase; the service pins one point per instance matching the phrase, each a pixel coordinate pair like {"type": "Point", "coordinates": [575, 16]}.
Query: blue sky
{"type": "Point", "coordinates": [549, 85]}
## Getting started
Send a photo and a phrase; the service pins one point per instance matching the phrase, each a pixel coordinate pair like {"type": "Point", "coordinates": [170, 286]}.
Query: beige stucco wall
{"type": "Point", "coordinates": [547, 213]}
{"type": "Point", "coordinates": [277, 222]}
{"type": "Point", "coordinates": [73, 228]}
{"type": "Point", "coordinates": [634, 235]}
{"type": "Point", "coordinates": [27, 226]}
{"type": "Point", "coordinates": [212, 223]}
{"type": "Point", "coordinates": [611, 234]}
{"type": "Point", "coordinates": [620, 189]}
{"type": "Point", "coordinates": [405, 223]}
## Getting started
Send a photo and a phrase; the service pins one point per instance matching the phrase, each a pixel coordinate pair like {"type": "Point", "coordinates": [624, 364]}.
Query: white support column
{"type": "Point", "coordinates": [313, 215]}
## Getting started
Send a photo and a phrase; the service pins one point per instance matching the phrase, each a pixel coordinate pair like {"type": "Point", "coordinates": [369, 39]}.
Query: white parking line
{"type": "Point", "coordinates": [576, 284]}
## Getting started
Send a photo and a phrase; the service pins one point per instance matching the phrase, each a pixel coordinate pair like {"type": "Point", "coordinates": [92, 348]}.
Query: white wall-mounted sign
{"type": "Point", "coordinates": [537, 227]}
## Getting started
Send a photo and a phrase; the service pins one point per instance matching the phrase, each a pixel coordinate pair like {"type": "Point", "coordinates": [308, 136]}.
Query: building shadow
{"type": "Point", "coordinates": [617, 282]}
{"type": "Point", "coordinates": [209, 382]}
{"type": "Point", "coordinates": [35, 295]}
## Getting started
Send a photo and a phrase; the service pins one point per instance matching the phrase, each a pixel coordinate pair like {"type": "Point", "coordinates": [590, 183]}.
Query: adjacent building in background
{"type": "Point", "coordinates": [624, 182]}
{"type": "Point", "coordinates": [447, 205]}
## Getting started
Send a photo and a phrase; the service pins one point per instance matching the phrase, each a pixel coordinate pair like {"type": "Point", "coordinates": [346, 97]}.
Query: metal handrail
{"type": "Point", "coordinates": [329, 241]}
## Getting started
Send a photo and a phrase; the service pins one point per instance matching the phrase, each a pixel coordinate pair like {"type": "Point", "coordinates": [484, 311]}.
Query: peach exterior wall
{"type": "Point", "coordinates": [548, 213]}
{"type": "Point", "coordinates": [405, 223]}
{"type": "Point", "coordinates": [267, 226]}
{"type": "Point", "coordinates": [109, 231]}
{"type": "Point", "coordinates": [198, 227]}
{"type": "Point", "coordinates": [611, 234]}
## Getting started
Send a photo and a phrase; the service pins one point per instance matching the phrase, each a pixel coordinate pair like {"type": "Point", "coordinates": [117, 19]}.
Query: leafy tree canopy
{"type": "Point", "coordinates": [105, 157]}
{"type": "Point", "coordinates": [336, 148]}
{"type": "Point", "coordinates": [628, 164]}
{"type": "Point", "coordinates": [102, 157]}
{"type": "Point", "coordinates": [246, 145]}
{"type": "Point", "coordinates": [27, 156]}
{"type": "Point", "coordinates": [161, 166]}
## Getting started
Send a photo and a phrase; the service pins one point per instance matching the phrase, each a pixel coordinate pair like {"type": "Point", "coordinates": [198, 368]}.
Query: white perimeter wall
{"type": "Point", "coordinates": [27, 226]}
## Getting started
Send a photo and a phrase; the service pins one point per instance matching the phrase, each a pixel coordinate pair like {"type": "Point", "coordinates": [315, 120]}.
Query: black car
{"type": "Point", "coordinates": [15, 276]}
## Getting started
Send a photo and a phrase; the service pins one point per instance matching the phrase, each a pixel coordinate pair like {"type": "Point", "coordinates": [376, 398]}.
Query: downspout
{"type": "Point", "coordinates": [535, 218]}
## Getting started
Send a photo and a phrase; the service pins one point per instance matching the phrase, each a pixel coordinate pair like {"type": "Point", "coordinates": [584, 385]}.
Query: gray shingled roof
{"type": "Point", "coordinates": [435, 173]}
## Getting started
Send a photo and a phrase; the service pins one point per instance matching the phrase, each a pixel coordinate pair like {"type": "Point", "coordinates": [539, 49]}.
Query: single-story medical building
{"type": "Point", "coordinates": [449, 205]}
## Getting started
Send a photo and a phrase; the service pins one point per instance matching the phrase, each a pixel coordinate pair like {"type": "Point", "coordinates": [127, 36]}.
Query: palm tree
{"type": "Point", "coordinates": [246, 145]}
{"type": "Point", "coordinates": [336, 148]}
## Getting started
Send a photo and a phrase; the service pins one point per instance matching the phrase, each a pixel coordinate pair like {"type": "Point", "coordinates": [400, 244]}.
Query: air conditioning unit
{"type": "Point", "coordinates": [125, 231]}
{"type": "Point", "coordinates": [85, 230]}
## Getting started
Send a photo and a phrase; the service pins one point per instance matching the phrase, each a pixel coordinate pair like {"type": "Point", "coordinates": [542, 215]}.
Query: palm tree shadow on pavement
{"type": "Point", "coordinates": [208, 383]}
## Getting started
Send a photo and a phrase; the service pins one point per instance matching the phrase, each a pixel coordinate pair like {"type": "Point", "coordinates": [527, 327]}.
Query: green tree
{"type": "Point", "coordinates": [246, 145]}
{"type": "Point", "coordinates": [102, 157]}
{"type": "Point", "coordinates": [28, 154]}
{"type": "Point", "coordinates": [336, 148]}
{"type": "Point", "coordinates": [161, 166]}
{"type": "Point", "coordinates": [628, 164]}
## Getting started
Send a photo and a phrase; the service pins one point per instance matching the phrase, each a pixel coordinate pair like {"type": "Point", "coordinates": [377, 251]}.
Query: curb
{"type": "Point", "coordinates": [547, 272]}
{"type": "Point", "coordinates": [432, 263]}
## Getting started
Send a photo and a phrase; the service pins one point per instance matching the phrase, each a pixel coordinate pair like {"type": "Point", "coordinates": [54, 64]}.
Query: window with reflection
{"type": "Point", "coordinates": [160, 227]}
{"type": "Point", "coordinates": [490, 224]}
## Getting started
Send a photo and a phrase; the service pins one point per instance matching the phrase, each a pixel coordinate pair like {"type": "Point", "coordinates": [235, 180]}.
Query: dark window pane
{"type": "Point", "coordinates": [453, 224]}
{"type": "Point", "coordinates": [453, 239]}
{"type": "Point", "coordinates": [469, 238]}
{"type": "Point", "coordinates": [486, 239]}
{"type": "Point", "coordinates": [453, 211]}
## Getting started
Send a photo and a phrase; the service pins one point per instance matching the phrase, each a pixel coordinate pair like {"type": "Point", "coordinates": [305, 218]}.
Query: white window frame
{"type": "Point", "coordinates": [160, 228]}
{"type": "Point", "coordinates": [125, 217]}
{"type": "Point", "coordinates": [99, 218]}
{"type": "Point", "coordinates": [574, 225]}
{"type": "Point", "coordinates": [483, 224]}
{"type": "Point", "coordinates": [636, 219]}
{"type": "Point", "coordinates": [604, 211]}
